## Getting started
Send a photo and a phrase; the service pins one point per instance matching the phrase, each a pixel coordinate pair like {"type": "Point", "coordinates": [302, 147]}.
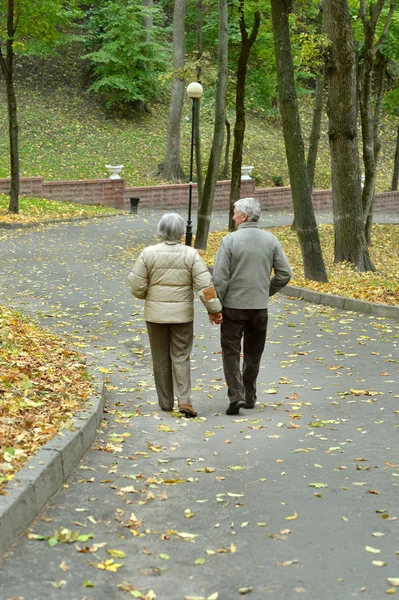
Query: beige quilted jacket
{"type": "Point", "coordinates": [166, 276]}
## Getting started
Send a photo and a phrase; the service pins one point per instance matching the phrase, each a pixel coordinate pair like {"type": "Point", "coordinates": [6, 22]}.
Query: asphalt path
{"type": "Point", "coordinates": [297, 498]}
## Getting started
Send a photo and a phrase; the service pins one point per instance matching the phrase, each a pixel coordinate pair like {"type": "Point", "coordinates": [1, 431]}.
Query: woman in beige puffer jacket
{"type": "Point", "coordinates": [166, 276]}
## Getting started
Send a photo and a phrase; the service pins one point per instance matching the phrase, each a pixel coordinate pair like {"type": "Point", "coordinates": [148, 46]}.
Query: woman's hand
{"type": "Point", "coordinates": [215, 318]}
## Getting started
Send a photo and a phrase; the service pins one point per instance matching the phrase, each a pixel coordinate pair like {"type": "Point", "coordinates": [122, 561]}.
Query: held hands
{"type": "Point", "coordinates": [215, 318]}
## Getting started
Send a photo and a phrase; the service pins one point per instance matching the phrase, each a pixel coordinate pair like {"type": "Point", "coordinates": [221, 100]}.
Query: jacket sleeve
{"type": "Point", "coordinates": [203, 286]}
{"type": "Point", "coordinates": [282, 270]}
{"type": "Point", "coordinates": [221, 271]}
{"type": "Point", "coordinates": [138, 278]}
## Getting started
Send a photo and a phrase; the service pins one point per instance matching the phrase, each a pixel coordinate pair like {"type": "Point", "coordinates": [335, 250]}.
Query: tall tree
{"type": "Point", "coordinates": [197, 134]}
{"type": "Point", "coordinates": [301, 193]}
{"type": "Point", "coordinates": [350, 241]}
{"type": "Point", "coordinates": [373, 66]}
{"type": "Point", "coordinates": [27, 27]}
{"type": "Point", "coordinates": [205, 209]}
{"type": "Point", "coordinates": [128, 50]}
{"type": "Point", "coordinates": [171, 169]}
{"type": "Point", "coordinates": [395, 173]}
{"type": "Point", "coordinates": [247, 42]}
{"type": "Point", "coordinates": [7, 68]}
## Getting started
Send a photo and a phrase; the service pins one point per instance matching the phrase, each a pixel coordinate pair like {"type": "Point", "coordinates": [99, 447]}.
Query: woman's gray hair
{"type": "Point", "coordinates": [171, 227]}
{"type": "Point", "coordinates": [250, 207]}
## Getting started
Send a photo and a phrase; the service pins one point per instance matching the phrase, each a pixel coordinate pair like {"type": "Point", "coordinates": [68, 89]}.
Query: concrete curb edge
{"type": "Point", "coordinates": [44, 473]}
{"type": "Point", "coordinates": [351, 304]}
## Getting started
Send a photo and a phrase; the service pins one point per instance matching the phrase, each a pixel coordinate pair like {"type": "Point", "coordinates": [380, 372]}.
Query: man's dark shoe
{"type": "Point", "coordinates": [234, 407]}
{"type": "Point", "coordinates": [249, 405]}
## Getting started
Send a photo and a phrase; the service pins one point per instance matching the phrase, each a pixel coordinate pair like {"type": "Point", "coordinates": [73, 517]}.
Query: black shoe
{"type": "Point", "coordinates": [249, 405]}
{"type": "Point", "coordinates": [234, 407]}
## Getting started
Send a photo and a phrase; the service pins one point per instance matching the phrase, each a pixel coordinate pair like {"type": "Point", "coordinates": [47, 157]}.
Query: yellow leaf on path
{"type": "Point", "coordinates": [109, 565]}
{"type": "Point", "coordinates": [292, 517]}
{"type": "Point", "coordinates": [372, 550]}
{"type": "Point", "coordinates": [128, 490]}
{"type": "Point", "coordinates": [173, 481]}
{"type": "Point", "coordinates": [154, 448]}
{"type": "Point", "coordinates": [63, 566]}
{"type": "Point", "coordinates": [116, 553]}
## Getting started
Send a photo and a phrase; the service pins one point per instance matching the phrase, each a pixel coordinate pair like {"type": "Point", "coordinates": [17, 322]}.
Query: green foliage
{"type": "Point", "coordinates": [40, 25]}
{"type": "Point", "coordinates": [127, 66]}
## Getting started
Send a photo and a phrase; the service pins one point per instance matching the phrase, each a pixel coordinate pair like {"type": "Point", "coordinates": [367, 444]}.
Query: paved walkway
{"type": "Point", "coordinates": [298, 497]}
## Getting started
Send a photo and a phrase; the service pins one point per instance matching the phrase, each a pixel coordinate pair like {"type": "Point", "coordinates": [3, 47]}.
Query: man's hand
{"type": "Point", "coordinates": [216, 318]}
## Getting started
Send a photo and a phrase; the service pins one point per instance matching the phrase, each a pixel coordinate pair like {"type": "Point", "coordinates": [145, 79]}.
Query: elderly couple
{"type": "Point", "coordinates": [167, 275]}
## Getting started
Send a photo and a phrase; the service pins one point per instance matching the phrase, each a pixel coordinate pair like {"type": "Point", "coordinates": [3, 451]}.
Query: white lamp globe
{"type": "Point", "coordinates": [195, 90]}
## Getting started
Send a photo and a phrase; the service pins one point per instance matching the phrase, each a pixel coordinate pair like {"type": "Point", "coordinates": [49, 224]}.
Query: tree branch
{"type": "Point", "coordinates": [243, 29]}
{"type": "Point", "coordinates": [255, 28]}
{"type": "Point", "coordinates": [384, 34]}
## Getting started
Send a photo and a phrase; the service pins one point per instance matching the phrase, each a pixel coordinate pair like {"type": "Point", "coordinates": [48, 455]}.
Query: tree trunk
{"type": "Point", "coordinates": [301, 193]}
{"type": "Point", "coordinates": [198, 157]}
{"type": "Point", "coordinates": [225, 173]}
{"type": "Point", "coordinates": [205, 212]}
{"type": "Point", "coordinates": [139, 105]}
{"type": "Point", "coordinates": [171, 168]}
{"type": "Point", "coordinates": [7, 69]}
{"type": "Point", "coordinates": [316, 124]}
{"type": "Point", "coordinates": [314, 134]}
{"type": "Point", "coordinates": [380, 73]}
{"type": "Point", "coordinates": [350, 242]}
{"type": "Point", "coordinates": [395, 175]}
{"type": "Point", "coordinates": [370, 122]}
{"type": "Point", "coordinates": [239, 127]}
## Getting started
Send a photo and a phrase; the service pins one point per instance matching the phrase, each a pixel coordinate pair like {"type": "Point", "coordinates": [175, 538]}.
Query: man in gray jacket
{"type": "Point", "coordinates": [243, 282]}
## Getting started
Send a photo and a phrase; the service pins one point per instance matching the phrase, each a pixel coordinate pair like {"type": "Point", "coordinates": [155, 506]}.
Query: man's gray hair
{"type": "Point", "coordinates": [171, 227]}
{"type": "Point", "coordinates": [250, 207]}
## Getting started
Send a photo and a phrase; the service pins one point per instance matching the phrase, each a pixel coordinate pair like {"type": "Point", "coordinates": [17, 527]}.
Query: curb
{"type": "Point", "coordinates": [362, 306]}
{"type": "Point", "coordinates": [44, 473]}
{"type": "Point", "coordinates": [52, 221]}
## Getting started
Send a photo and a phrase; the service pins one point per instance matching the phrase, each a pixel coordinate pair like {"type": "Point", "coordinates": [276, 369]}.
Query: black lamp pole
{"type": "Point", "coordinates": [189, 228]}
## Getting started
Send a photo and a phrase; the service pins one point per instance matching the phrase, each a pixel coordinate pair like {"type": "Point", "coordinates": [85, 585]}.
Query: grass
{"type": "Point", "coordinates": [40, 210]}
{"type": "Point", "coordinates": [381, 286]}
{"type": "Point", "coordinates": [42, 384]}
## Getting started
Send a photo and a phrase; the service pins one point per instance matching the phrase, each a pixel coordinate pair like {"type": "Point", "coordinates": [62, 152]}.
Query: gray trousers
{"type": "Point", "coordinates": [252, 325]}
{"type": "Point", "coordinates": [171, 346]}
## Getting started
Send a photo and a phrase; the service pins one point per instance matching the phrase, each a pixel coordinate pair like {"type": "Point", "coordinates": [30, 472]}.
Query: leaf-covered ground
{"type": "Point", "coordinates": [42, 384]}
{"type": "Point", "coordinates": [38, 210]}
{"type": "Point", "coordinates": [381, 286]}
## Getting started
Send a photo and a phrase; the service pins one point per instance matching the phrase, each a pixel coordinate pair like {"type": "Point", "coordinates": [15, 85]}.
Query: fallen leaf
{"type": "Point", "coordinates": [373, 550]}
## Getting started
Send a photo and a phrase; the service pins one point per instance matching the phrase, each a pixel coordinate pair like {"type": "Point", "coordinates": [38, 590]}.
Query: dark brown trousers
{"type": "Point", "coordinates": [250, 324]}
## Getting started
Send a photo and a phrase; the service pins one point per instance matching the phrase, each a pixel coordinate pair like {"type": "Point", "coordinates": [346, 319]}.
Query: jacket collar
{"type": "Point", "coordinates": [248, 224]}
{"type": "Point", "coordinates": [171, 243]}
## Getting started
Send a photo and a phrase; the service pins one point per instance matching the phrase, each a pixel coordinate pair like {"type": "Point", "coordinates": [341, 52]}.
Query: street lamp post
{"type": "Point", "coordinates": [194, 91]}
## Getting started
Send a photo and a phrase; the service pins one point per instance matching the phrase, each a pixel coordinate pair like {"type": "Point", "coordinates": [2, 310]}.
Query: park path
{"type": "Point", "coordinates": [298, 497]}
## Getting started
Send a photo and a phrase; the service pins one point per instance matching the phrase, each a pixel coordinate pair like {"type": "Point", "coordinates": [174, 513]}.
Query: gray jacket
{"type": "Point", "coordinates": [243, 266]}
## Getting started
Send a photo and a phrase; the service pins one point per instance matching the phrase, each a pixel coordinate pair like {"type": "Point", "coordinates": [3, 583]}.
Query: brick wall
{"type": "Point", "coordinates": [29, 186]}
{"type": "Point", "coordinates": [176, 195]}
{"type": "Point", "coordinates": [113, 192]}
{"type": "Point", "coordinates": [109, 192]}
{"type": "Point", "coordinates": [279, 198]}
